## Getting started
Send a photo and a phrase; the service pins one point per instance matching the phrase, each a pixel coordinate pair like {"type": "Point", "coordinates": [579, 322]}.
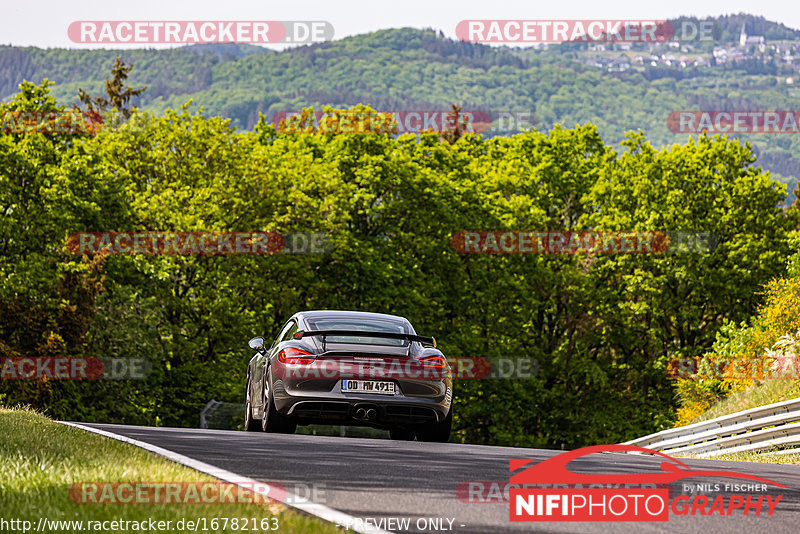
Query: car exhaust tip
{"type": "Point", "coordinates": [371, 413]}
{"type": "Point", "coordinates": [361, 413]}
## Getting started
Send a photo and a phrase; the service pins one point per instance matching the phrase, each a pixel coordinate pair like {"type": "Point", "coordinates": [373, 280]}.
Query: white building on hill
{"type": "Point", "coordinates": [754, 40]}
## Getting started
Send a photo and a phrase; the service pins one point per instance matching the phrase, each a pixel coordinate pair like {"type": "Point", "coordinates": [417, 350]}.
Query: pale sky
{"type": "Point", "coordinates": [44, 23]}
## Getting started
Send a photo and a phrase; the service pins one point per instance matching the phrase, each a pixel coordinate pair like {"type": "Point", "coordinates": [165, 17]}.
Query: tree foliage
{"type": "Point", "coordinates": [402, 69]}
{"type": "Point", "coordinates": [600, 327]}
{"type": "Point", "coordinates": [118, 95]}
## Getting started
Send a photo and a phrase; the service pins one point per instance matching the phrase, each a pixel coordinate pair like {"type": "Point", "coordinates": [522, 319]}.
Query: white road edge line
{"type": "Point", "coordinates": [319, 510]}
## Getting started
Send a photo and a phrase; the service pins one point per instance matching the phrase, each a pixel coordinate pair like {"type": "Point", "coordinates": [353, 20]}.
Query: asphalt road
{"type": "Point", "coordinates": [371, 478]}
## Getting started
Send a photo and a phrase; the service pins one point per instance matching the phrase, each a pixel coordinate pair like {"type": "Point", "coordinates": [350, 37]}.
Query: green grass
{"type": "Point", "coordinates": [761, 394]}
{"type": "Point", "coordinates": [766, 457]}
{"type": "Point", "coordinates": [41, 459]}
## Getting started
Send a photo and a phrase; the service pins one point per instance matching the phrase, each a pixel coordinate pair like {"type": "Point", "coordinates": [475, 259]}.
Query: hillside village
{"type": "Point", "coordinates": [781, 56]}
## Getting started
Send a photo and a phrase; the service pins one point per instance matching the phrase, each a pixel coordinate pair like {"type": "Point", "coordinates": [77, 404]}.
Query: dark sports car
{"type": "Point", "coordinates": [350, 368]}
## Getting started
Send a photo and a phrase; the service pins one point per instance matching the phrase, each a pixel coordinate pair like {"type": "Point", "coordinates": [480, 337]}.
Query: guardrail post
{"type": "Point", "coordinates": [209, 406]}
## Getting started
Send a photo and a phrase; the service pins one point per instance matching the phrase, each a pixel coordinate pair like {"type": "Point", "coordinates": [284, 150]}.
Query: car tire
{"type": "Point", "coordinates": [401, 433]}
{"type": "Point", "coordinates": [271, 420]}
{"type": "Point", "coordinates": [250, 424]}
{"type": "Point", "coordinates": [436, 432]}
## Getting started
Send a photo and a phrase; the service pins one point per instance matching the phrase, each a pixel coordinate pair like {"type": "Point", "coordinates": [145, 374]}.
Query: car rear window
{"type": "Point", "coordinates": [365, 325]}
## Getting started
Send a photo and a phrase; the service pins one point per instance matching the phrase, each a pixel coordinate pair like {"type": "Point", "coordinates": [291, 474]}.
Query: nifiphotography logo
{"type": "Point", "coordinates": [571, 496]}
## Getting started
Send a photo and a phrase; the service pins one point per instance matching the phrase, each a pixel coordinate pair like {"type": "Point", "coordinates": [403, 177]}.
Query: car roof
{"type": "Point", "coordinates": [312, 314]}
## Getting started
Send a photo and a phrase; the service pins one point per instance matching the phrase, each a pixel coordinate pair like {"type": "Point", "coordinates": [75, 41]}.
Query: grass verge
{"type": "Point", "coordinates": [760, 394]}
{"type": "Point", "coordinates": [766, 457]}
{"type": "Point", "coordinates": [40, 460]}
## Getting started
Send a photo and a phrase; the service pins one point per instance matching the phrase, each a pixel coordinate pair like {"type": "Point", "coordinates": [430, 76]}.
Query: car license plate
{"type": "Point", "coordinates": [368, 386]}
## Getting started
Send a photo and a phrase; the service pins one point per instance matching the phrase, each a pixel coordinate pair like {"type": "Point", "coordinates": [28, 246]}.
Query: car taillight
{"type": "Point", "coordinates": [434, 362]}
{"type": "Point", "coordinates": [295, 356]}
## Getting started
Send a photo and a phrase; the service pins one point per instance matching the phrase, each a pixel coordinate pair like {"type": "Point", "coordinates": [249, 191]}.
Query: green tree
{"type": "Point", "coordinates": [117, 93]}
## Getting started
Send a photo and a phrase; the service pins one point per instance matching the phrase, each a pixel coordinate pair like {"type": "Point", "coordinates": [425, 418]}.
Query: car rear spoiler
{"type": "Point", "coordinates": [362, 333]}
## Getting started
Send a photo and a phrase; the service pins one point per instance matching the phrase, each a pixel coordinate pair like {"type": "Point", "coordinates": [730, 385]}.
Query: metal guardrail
{"type": "Point", "coordinates": [221, 415]}
{"type": "Point", "coordinates": [757, 429]}
{"type": "Point", "coordinates": [211, 405]}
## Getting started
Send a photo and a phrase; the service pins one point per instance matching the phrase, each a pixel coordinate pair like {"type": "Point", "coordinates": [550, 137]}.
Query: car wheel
{"type": "Point", "coordinates": [250, 424]}
{"type": "Point", "coordinates": [271, 420]}
{"type": "Point", "coordinates": [401, 433]}
{"type": "Point", "coordinates": [436, 432]}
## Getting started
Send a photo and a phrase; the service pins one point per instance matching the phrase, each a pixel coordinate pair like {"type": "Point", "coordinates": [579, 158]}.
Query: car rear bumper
{"type": "Point", "coordinates": [326, 403]}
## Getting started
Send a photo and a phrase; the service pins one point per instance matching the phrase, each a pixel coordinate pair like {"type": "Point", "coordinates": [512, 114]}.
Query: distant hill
{"type": "Point", "coordinates": [228, 51]}
{"type": "Point", "coordinates": [420, 69]}
{"type": "Point", "coordinates": [166, 72]}
{"type": "Point", "coordinates": [728, 27]}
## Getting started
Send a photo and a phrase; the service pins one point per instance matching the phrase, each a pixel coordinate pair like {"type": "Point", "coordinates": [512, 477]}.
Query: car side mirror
{"type": "Point", "coordinates": [257, 343]}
